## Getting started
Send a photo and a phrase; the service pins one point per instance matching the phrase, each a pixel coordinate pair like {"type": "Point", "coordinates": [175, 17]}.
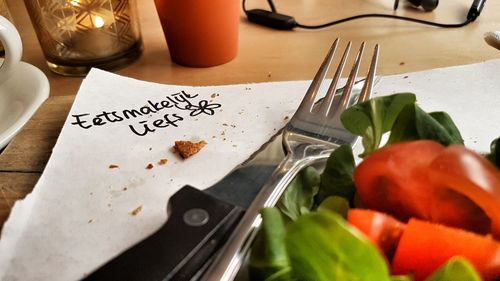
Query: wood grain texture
{"type": "Point", "coordinates": [13, 187]}
{"type": "Point", "coordinates": [31, 148]}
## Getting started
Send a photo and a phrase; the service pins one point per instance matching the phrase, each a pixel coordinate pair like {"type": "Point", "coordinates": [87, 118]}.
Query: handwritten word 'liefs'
{"type": "Point", "coordinates": [181, 101]}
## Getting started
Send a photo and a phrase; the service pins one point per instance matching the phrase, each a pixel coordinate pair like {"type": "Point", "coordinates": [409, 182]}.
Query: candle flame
{"type": "Point", "coordinates": [98, 22]}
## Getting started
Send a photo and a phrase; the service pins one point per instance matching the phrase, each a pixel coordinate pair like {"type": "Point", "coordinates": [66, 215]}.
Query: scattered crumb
{"type": "Point", "coordinates": [90, 221]}
{"type": "Point", "coordinates": [269, 74]}
{"type": "Point", "coordinates": [402, 63]}
{"type": "Point", "coordinates": [223, 133]}
{"type": "Point", "coordinates": [233, 126]}
{"type": "Point", "coordinates": [149, 166]}
{"type": "Point", "coordinates": [406, 76]}
{"type": "Point", "coordinates": [124, 189]}
{"type": "Point", "coordinates": [113, 166]}
{"type": "Point", "coordinates": [162, 161]}
{"type": "Point", "coordinates": [248, 88]}
{"type": "Point", "coordinates": [150, 148]}
{"type": "Point", "coordinates": [214, 95]}
{"type": "Point", "coordinates": [213, 137]}
{"type": "Point", "coordinates": [187, 148]}
{"type": "Point", "coordinates": [234, 145]}
{"type": "Point", "coordinates": [286, 118]}
{"type": "Point", "coordinates": [136, 211]}
{"type": "Point", "coordinates": [225, 124]}
{"type": "Point", "coordinates": [224, 139]}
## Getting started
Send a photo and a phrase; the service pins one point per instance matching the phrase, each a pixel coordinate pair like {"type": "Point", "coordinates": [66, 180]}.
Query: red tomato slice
{"type": "Point", "coordinates": [381, 229]}
{"type": "Point", "coordinates": [453, 186]}
{"type": "Point", "coordinates": [425, 246]}
{"type": "Point", "coordinates": [394, 179]}
{"type": "Point", "coordinates": [473, 185]}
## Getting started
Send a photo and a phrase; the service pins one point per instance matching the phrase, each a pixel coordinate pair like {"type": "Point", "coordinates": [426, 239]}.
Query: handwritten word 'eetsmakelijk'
{"type": "Point", "coordinates": [181, 101]}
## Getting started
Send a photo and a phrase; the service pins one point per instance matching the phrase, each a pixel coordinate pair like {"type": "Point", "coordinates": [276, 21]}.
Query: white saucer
{"type": "Point", "coordinates": [20, 96]}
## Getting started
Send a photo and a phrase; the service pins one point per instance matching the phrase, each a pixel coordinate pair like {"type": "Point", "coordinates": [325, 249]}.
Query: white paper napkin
{"type": "Point", "coordinates": [82, 212]}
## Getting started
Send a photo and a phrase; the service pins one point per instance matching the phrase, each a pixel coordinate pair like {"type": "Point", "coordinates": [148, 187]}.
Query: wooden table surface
{"type": "Point", "coordinates": [264, 55]}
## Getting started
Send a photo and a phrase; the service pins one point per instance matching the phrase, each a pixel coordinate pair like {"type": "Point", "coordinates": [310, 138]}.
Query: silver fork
{"type": "Point", "coordinates": [311, 135]}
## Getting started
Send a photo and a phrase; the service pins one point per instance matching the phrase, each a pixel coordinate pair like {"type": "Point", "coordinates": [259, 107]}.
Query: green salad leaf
{"type": "Point", "coordinates": [374, 117]}
{"type": "Point", "coordinates": [269, 258]}
{"type": "Point", "coordinates": [336, 204]}
{"type": "Point", "coordinates": [322, 247]}
{"type": "Point", "coordinates": [336, 179]}
{"type": "Point", "coordinates": [399, 114]}
{"type": "Point", "coordinates": [413, 123]}
{"type": "Point", "coordinates": [447, 123]}
{"type": "Point", "coordinates": [298, 198]}
{"type": "Point", "coordinates": [494, 155]}
{"type": "Point", "coordinates": [456, 269]}
{"type": "Point", "coordinates": [283, 275]}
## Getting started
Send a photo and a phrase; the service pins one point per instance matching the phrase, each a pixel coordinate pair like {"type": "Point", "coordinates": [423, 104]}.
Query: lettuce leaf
{"type": "Point", "coordinates": [322, 247]}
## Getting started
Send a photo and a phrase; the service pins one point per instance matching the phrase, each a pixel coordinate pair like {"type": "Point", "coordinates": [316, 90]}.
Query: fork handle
{"type": "Point", "coordinates": [231, 257]}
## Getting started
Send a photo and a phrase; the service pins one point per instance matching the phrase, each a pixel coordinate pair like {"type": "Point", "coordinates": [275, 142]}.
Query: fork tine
{"type": "Point", "coordinates": [326, 104]}
{"type": "Point", "coordinates": [346, 93]}
{"type": "Point", "coordinates": [308, 101]}
{"type": "Point", "coordinates": [370, 77]}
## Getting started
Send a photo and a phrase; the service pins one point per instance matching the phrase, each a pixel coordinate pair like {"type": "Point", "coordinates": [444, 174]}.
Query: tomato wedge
{"type": "Point", "coordinates": [394, 179]}
{"type": "Point", "coordinates": [474, 184]}
{"type": "Point", "coordinates": [423, 179]}
{"type": "Point", "coordinates": [381, 229]}
{"type": "Point", "coordinates": [425, 246]}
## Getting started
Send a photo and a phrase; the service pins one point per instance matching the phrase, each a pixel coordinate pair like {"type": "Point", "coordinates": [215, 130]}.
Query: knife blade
{"type": "Point", "coordinates": [198, 224]}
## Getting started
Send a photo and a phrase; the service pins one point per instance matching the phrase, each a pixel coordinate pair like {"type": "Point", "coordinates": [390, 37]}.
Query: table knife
{"type": "Point", "coordinates": [198, 225]}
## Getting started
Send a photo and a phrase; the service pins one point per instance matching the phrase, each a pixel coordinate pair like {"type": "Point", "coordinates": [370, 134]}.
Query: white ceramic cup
{"type": "Point", "coordinates": [13, 47]}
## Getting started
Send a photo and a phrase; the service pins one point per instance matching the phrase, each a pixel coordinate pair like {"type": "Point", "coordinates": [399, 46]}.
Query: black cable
{"type": "Point", "coordinates": [271, 5]}
{"type": "Point", "coordinates": [280, 21]}
{"type": "Point", "coordinates": [437, 24]}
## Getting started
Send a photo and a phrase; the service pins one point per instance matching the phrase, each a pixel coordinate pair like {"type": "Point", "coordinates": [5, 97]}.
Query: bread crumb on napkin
{"type": "Point", "coordinates": [113, 166]}
{"type": "Point", "coordinates": [187, 148]}
{"type": "Point", "coordinates": [136, 211]}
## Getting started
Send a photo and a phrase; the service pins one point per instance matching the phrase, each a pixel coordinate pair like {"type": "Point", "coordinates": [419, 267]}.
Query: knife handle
{"type": "Point", "coordinates": [197, 227]}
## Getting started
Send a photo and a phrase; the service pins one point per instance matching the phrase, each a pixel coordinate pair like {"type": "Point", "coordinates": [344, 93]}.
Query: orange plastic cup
{"type": "Point", "coordinates": [200, 33]}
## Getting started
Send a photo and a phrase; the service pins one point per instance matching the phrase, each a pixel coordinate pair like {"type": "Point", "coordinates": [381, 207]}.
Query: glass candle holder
{"type": "Point", "coordinates": [76, 35]}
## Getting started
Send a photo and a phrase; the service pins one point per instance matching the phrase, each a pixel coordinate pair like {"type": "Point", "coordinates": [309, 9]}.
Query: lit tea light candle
{"type": "Point", "coordinates": [98, 22]}
{"type": "Point", "coordinates": [86, 32]}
